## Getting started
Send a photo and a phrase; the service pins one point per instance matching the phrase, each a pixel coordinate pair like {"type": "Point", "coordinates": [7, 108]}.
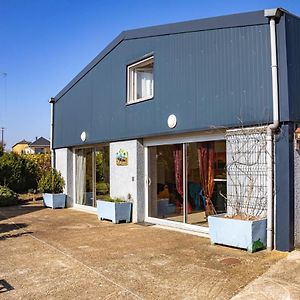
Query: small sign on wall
{"type": "Point", "coordinates": [122, 158]}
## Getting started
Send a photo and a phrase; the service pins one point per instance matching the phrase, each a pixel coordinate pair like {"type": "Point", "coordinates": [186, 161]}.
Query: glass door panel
{"type": "Point", "coordinates": [195, 193]}
{"type": "Point", "coordinates": [165, 166]}
{"type": "Point", "coordinates": [84, 177]}
{"type": "Point", "coordinates": [102, 172]}
{"type": "Point", "coordinates": [206, 175]}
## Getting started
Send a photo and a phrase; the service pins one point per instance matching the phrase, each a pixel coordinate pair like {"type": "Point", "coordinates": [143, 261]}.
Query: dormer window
{"type": "Point", "coordinates": [140, 80]}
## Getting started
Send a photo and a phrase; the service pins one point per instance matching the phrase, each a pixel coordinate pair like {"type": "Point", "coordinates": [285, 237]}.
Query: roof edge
{"type": "Point", "coordinates": [220, 22]}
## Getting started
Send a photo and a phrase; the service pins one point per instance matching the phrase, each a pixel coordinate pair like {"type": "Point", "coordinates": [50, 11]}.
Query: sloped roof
{"type": "Point", "coordinates": [227, 21]}
{"type": "Point", "coordinates": [40, 142]}
{"type": "Point", "coordinates": [23, 142]}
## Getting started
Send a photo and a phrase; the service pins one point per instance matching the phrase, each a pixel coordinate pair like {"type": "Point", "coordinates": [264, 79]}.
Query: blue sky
{"type": "Point", "coordinates": [45, 43]}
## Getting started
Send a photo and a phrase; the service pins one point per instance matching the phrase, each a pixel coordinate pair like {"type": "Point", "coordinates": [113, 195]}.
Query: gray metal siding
{"type": "Point", "coordinates": [293, 63]}
{"type": "Point", "coordinates": [212, 78]}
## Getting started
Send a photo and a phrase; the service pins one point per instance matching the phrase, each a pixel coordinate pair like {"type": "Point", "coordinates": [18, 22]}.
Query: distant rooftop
{"type": "Point", "coordinates": [23, 142]}
{"type": "Point", "coordinates": [40, 142]}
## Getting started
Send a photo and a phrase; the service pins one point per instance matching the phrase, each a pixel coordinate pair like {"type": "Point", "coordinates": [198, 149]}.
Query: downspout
{"type": "Point", "coordinates": [52, 101]}
{"type": "Point", "coordinates": [273, 15]}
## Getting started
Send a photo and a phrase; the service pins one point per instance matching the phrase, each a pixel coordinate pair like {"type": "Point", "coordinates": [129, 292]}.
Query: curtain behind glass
{"type": "Point", "coordinates": [80, 176]}
{"type": "Point", "coordinates": [206, 172]}
{"type": "Point", "coordinates": [178, 163]}
{"type": "Point", "coordinates": [144, 84]}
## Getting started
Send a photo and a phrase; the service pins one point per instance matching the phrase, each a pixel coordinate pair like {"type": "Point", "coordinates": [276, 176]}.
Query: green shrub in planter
{"type": "Point", "coordinates": [7, 196]}
{"type": "Point", "coordinates": [51, 182]}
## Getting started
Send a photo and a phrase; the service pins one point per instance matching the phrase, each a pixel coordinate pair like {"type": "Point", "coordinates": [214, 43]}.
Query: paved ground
{"type": "Point", "coordinates": [67, 254]}
{"type": "Point", "coordinates": [280, 282]}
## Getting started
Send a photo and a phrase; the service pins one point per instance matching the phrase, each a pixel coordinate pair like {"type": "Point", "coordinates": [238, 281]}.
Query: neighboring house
{"type": "Point", "coordinates": [20, 147]}
{"type": "Point", "coordinates": [139, 119]}
{"type": "Point", "coordinates": [39, 146]}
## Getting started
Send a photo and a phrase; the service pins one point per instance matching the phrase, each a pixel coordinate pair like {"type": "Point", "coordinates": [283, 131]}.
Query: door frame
{"type": "Point", "coordinates": [93, 147]}
{"type": "Point", "coordinates": [169, 140]}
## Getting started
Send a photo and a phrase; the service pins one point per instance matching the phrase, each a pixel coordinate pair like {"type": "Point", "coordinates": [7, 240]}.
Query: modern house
{"type": "Point", "coordinates": [159, 115]}
{"type": "Point", "coordinates": [20, 147]}
{"type": "Point", "coordinates": [39, 146]}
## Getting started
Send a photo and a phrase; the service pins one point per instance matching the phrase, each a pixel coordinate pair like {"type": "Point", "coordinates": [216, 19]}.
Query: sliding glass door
{"type": "Point", "coordinates": [91, 175]}
{"type": "Point", "coordinates": [166, 182]}
{"type": "Point", "coordinates": [187, 182]}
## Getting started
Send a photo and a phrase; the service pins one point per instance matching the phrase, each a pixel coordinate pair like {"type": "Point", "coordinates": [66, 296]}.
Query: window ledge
{"type": "Point", "coordinates": [140, 100]}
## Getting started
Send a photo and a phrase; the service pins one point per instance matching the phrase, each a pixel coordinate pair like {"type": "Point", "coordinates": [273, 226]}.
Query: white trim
{"type": "Point", "coordinates": [185, 138]}
{"type": "Point", "coordinates": [179, 225]}
{"type": "Point", "coordinates": [132, 79]}
{"type": "Point", "coordinates": [176, 139]}
{"type": "Point", "coordinates": [146, 181]}
{"type": "Point", "coordinates": [141, 62]}
{"type": "Point", "coordinates": [74, 176]}
{"type": "Point", "coordinates": [85, 208]}
{"type": "Point", "coordinates": [201, 234]}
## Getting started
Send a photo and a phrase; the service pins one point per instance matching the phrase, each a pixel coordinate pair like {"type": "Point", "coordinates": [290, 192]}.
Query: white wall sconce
{"type": "Point", "coordinates": [83, 136]}
{"type": "Point", "coordinates": [172, 121]}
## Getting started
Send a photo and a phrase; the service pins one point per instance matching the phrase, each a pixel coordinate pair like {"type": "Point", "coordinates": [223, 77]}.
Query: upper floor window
{"type": "Point", "coordinates": [140, 80]}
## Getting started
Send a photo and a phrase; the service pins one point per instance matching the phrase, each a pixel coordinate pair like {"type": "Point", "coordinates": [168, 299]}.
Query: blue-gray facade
{"type": "Point", "coordinates": [208, 78]}
{"type": "Point", "coordinates": [212, 73]}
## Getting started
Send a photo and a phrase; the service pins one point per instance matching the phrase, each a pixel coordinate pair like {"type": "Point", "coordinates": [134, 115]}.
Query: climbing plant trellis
{"type": "Point", "coordinates": [247, 172]}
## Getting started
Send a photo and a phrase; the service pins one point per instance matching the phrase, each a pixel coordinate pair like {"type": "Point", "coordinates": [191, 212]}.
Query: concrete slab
{"type": "Point", "coordinates": [281, 281]}
{"type": "Point", "coordinates": [68, 254]}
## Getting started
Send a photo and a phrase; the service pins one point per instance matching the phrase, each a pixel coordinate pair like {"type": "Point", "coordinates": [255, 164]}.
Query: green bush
{"type": "Point", "coordinates": [102, 188]}
{"type": "Point", "coordinates": [115, 200]}
{"type": "Point", "coordinates": [51, 182]}
{"type": "Point", "coordinates": [7, 196]}
{"type": "Point", "coordinates": [18, 173]}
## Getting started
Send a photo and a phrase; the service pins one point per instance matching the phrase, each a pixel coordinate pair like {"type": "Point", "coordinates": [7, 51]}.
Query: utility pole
{"type": "Point", "coordinates": [4, 75]}
{"type": "Point", "coordinates": [2, 137]}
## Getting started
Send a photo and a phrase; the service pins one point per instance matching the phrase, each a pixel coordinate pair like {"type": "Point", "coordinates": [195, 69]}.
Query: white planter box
{"type": "Point", "coordinates": [114, 211]}
{"type": "Point", "coordinates": [250, 235]}
{"type": "Point", "coordinates": [54, 200]}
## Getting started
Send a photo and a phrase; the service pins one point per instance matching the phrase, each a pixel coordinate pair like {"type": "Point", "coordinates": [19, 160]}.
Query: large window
{"type": "Point", "coordinates": [187, 181]}
{"type": "Point", "coordinates": [140, 81]}
{"type": "Point", "coordinates": [92, 175]}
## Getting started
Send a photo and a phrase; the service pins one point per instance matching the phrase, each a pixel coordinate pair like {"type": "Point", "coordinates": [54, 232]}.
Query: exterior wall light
{"type": "Point", "coordinates": [83, 136]}
{"type": "Point", "coordinates": [172, 121]}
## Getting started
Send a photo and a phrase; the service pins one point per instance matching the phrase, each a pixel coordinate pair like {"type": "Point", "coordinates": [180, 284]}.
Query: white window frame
{"type": "Point", "coordinates": [167, 140]}
{"type": "Point", "coordinates": [132, 78]}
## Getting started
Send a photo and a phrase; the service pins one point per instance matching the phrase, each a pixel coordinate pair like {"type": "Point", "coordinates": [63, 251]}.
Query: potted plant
{"type": "Point", "coordinates": [51, 185]}
{"type": "Point", "coordinates": [114, 209]}
{"type": "Point", "coordinates": [244, 225]}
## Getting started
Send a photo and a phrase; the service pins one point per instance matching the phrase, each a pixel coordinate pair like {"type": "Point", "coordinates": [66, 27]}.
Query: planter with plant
{"type": "Point", "coordinates": [51, 185]}
{"type": "Point", "coordinates": [244, 225]}
{"type": "Point", "coordinates": [114, 209]}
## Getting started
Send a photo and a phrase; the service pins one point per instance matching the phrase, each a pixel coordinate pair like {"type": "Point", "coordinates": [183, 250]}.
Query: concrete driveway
{"type": "Point", "coordinates": [67, 254]}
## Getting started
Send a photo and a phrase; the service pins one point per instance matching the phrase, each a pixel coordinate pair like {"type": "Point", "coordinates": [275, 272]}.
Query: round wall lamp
{"type": "Point", "coordinates": [83, 136]}
{"type": "Point", "coordinates": [172, 121]}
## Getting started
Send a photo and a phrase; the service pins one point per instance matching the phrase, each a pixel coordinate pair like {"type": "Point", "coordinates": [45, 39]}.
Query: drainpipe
{"type": "Point", "coordinates": [52, 101]}
{"type": "Point", "coordinates": [273, 15]}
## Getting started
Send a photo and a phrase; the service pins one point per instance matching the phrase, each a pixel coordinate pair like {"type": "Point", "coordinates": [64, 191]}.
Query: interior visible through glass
{"type": "Point", "coordinates": [166, 189]}
{"type": "Point", "coordinates": [102, 172]}
{"type": "Point", "coordinates": [187, 182]}
{"type": "Point", "coordinates": [92, 175]}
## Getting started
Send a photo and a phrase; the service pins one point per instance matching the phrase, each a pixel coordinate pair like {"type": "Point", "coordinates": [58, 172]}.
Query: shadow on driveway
{"type": "Point", "coordinates": [18, 210]}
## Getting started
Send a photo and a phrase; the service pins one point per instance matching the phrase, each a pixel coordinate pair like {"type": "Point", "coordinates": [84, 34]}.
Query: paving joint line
{"type": "Point", "coordinates": [73, 258]}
